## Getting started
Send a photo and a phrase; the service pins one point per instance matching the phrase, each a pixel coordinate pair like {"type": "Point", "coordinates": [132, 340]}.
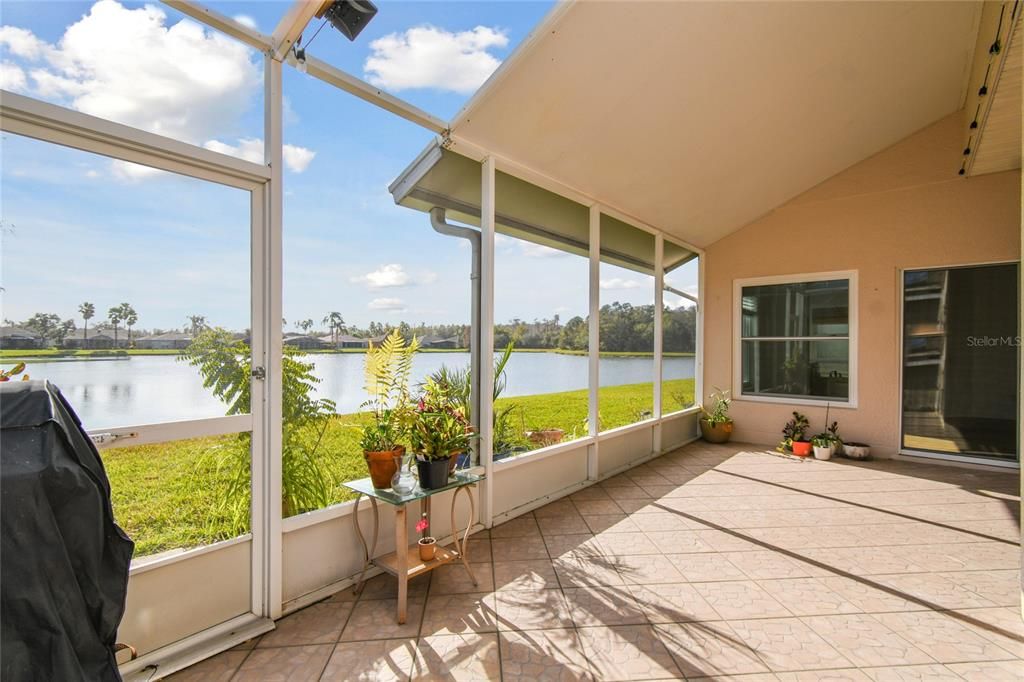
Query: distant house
{"type": "Point", "coordinates": [306, 342]}
{"type": "Point", "coordinates": [349, 341]}
{"type": "Point", "coordinates": [166, 341]}
{"type": "Point", "coordinates": [18, 338]}
{"type": "Point", "coordinates": [93, 338]}
{"type": "Point", "coordinates": [440, 343]}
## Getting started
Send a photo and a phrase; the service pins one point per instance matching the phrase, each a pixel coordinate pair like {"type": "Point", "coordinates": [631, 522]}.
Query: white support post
{"type": "Point", "coordinates": [594, 342]}
{"type": "Point", "coordinates": [271, 273]}
{"type": "Point", "coordinates": [698, 392]}
{"type": "Point", "coordinates": [486, 423]}
{"type": "Point", "coordinates": [659, 318]}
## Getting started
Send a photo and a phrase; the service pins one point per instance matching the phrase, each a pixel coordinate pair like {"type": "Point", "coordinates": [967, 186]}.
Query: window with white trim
{"type": "Point", "coordinates": [797, 338]}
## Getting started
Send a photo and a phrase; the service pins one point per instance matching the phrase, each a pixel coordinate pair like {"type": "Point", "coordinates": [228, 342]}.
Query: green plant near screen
{"type": "Point", "coordinates": [225, 365]}
{"type": "Point", "coordinates": [719, 412]}
{"type": "Point", "coordinates": [387, 370]}
{"type": "Point", "coordinates": [439, 428]}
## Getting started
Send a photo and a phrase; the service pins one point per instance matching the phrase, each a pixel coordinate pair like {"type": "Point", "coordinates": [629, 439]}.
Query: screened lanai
{"type": "Point", "coordinates": [603, 203]}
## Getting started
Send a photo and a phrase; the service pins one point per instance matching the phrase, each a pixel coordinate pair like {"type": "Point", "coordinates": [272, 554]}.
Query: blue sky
{"type": "Point", "coordinates": [80, 227]}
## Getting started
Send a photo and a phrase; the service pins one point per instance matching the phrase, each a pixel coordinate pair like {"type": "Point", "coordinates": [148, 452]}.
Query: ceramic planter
{"type": "Point", "coordinates": [801, 448]}
{"type": "Point", "coordinates": [716, 433]}
{"type": "Point", "coordinates": [433, 472]}
{"type": "Point", "coordinates": [857, 450]}
{"type": "Point", "coordinates": [383, 465]}
{"type": "Point", "coordinates": [428, 547]}
{"type": "Point", "coordinates": [823, 453]}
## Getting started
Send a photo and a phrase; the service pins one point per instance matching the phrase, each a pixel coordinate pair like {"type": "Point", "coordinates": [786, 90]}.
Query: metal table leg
{"type": "Point", "coordinates": [368, 552]}
{"type": "Point", "coordinates": [461, 545]}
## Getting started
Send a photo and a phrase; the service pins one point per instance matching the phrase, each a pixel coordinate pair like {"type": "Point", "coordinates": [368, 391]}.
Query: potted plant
{"type": "Point", "coordinates": [387, 370]}
{"type": "Point", "coordinates": [716, 424]}
{"type": "Point", "coordinates": [794, 436]}
{"type": "Point", "coordinates": [439, 433]}
{"type": "Point", "coordinates": [823, 446]}
{"type": "Point", "coordinates": [427, 544]}
{"type": "Point", "coordinates": [855, 450]}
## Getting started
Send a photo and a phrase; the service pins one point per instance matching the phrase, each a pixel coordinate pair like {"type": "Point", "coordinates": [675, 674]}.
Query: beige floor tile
{"type": "Point", "coordinates": [534, 574]}
{"type": "Point", "coordinates": [458, 657]}
{"type": "Point", "coordinates": [382, 660]}
{"type": "Point", "coordinates": [1001, 625]}
{"type": "Point", "coordinates": [285, 664]}
{"type": "Point", "coordinates": [385, 586]}
{"type": "Point", "coordinates": [627, 652]}
{"type": "Point", "coordinates": [807, 597]}
{"type": "Point", "coordinates": [672, 603]}
{"type": "Point", "coordinates": [614, 523]}
{"type": "Point", "coordinates": [709, 649]}
{"type": "Point", "coordinates": [456, 614]}
{"type": "Point", "coordinates": [1001, 587]}
{"type": "Point", "coordinates": [752, 677]}
{"type": "Point", "coordinates": [532, 610]}
{"type": "Point", "coordinates": [661, 521]}
{"type": "Point", "coordinates": [787, 644]}
{"type": "Point", "coordinates": [648, 570]}
{"type": "Point", "coordinates": [478, 550]}
{"type": "Point", "coordinates": [603, 505]}
{"type": "Point", "coordinates": [317, 624]}
{"type": "Point", "coordinates": [866, 641]}
{"type": "Point", "coordinates": [636, 506]}
{"type": "Point", "coordinates": [454, 579]}
{"type": "Point", "coordinates": [377, 619]}
{"type": "Point", "coordinates": [519, 548]}
{"type": "Point", "coordinates": [626, 544]}
{"type": "Point", "coordinates": [914, 673]}
{"type": "Point", "coordinates": [604, 605]}
{"type": "Point", "coordinates": [523, 526]}
{"type": "Point", "coordinates": [219, 668]}
{"type": "Point", "coordinates": [705, 567]}
{"type": "Point", "coordinates": [564, 524]}
{"type": "Point", "coordinates": [593, 492]}
{"type": "Point", "coordinates": [839, 675]}
{"type": "Point", "coordinates": [933, 591]}
{"type": "Point", "coordinates": [584, 570]}
{"type": "Point", "coordinates": [532, 655]}
{"type": "Point", "coordinates": [741, 599]}
{"type": "Point", "coordinates": [678, 542]}
{"type": "Point", "coordinates": [993, 671]}
{"type": "Point", "coordinates": [871, 596]}
{"type": "Point", "coordinates": [944, 638]}
{"type": "Point", "coordinates": [559, 507]}
{"type": "Point", "coordinates": [765, 565]}
{"type": "Point", "coordinates": [580, 543]}
{"type": "Point", "coordinates": [732, 541]}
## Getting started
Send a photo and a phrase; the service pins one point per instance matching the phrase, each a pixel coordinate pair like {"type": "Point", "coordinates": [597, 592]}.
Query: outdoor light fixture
{"type": "Point", "coordinates": [348, 16]}
{"type": "Point", "coordinates": [300, 59]}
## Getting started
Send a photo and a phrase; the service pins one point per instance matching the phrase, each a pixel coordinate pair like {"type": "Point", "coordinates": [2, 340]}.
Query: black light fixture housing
{"type": "Point", "coordinates": [349, 16]}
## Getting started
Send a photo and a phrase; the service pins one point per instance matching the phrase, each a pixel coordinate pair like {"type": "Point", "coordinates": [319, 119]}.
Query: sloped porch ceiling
{"type": "Point", "coordinates": [700, 117]}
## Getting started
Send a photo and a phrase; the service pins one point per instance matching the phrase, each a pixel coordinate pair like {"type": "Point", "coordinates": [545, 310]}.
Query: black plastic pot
{"type": "Point", "coordinates": [433, 473]}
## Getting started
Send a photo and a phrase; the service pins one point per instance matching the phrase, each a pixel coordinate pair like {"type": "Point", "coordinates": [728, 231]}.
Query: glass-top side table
{"type": "Point", "coordinates": [405, 562]}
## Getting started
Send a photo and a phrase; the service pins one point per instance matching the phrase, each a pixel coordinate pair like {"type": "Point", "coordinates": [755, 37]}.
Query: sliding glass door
{"type": "Point", "coordinates": [960, 368]}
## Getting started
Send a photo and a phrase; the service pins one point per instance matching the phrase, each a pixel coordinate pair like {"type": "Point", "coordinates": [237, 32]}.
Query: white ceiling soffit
{"type": "Point", "coordinates": [697, 118]}
{"type": "Point", "coordinates": [996, 146]}
{"type": "Point", "coordinates": [445, 179]}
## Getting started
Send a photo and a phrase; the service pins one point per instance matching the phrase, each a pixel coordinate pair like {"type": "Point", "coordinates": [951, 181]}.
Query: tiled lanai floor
{"type": "Point", "coordinates": [711, 561]}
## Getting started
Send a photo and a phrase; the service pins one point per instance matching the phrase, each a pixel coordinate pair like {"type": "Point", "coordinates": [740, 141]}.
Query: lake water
{"type": "Point", "coordinates": [157, 388]}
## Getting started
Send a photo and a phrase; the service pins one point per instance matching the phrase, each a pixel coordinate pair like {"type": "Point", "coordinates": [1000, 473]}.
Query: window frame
{"type": "Point", "coordinates": [852, 336]}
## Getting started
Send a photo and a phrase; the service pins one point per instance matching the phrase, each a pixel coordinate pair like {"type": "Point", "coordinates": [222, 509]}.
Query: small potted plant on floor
{"type": "Point", "coordinates": [439, 433]}
{"type": "Point", "coordinates": [427, 544]}
{"type": "Point", "coordinates": [823, 446]}
{"type": "Point", "coordinates": [794, 440]}
{"type": "Point", "coordinates": [715, 424]}
{"type": "Point", "coordinates": [387, 370]}
{"type": "Point", "coordinates": [855, 450]}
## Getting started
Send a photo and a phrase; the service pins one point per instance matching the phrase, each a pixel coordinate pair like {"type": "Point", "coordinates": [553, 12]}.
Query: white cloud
{"type": "Point", "coordinates": [127, 65]}
{"type": "Point", "coordinates": [384, 277]}
{"type": "Point", "coordinates": [296, 159]}
{"type": "Point", "coordinates": [531, 250]}
{"type": "Point", "coordinates": [619, 283]}
{"type": "Point", "coordinates": [132, 172]}
{"type": "Point", "coordinates": [12, 77]}
{"type": "Point", "coordinates": [247, 21]}
{"type": "Point", "coordinates": [430, 57]}
{"type": "Point", "coordinates": [389, 304]}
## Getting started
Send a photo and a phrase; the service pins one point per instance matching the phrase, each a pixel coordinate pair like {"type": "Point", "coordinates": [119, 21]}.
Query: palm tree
{"type": "Point", "coordinates": [336, 324]}
{"type": "Point", "coordinates": [86, 310]}
{"type": "Point", "coordinates": [116, 316]}
{"type": "Point", "coordinates": [130, 318]}
{"type": "Point", "coordinates": [305, 325]}
{"type": "Point", "coordinates": [196, 323]}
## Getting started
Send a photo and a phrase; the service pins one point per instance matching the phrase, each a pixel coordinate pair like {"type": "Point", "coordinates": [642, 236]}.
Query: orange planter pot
{"type": "Point", "coordinates": [802, 448]}
{"type": "Point", "coordinates": [383, 465]}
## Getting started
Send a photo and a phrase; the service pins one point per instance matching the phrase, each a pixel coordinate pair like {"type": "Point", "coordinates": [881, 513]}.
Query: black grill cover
{"type": "Point", "coordinates": [63, 561]}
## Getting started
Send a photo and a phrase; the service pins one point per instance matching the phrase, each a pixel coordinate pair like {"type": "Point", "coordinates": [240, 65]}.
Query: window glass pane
{"type": "Point", "coordinates": [960, 345]}
{"type": "Point", "coordinates": [541, 303]}
{"type": "Point", "coordinates": [145, 66]}
{"type": "Point", "coordinates": [627, 324]}
{"type": "Point", "coordinates": [107, 280]}
{"type": "Point", "coordinates": [796, 309]}
{"type": "Point", "coordinates": [679, 338]}
{"type": "Point", "coordinates": [356, 266]}
{"type": "Point", "coordinates": [806, 369]}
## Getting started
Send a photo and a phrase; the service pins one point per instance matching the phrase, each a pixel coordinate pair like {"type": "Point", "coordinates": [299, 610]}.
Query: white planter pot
{"type": "Point", "coordinates": [856, 451]}
{"type": "Point", "coordinates": [823, 453]}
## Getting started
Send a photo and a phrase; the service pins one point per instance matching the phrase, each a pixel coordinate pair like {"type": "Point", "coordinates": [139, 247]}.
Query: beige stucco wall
{"type": "Point", "coordinates": [903, 208]}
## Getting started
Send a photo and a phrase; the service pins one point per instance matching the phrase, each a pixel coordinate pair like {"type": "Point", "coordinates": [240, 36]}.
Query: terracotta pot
{"type": "Point", "coordinates": [382, 465]}
{"type": "Point", "coordinates": [802, 448]}
{"type": "Point", "coordinates": [716, 433]}
{"type": "Point", "coordinates": [433, 473]}
{"type": "Point", "coordinates": [428, 548]}
{"type": "Point", "coordinates": [453, 462]}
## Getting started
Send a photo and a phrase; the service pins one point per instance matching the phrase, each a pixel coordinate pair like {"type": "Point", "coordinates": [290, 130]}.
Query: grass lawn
{"type": "Point", "coordinates": [170, 495]}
